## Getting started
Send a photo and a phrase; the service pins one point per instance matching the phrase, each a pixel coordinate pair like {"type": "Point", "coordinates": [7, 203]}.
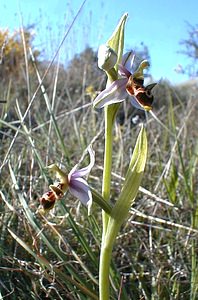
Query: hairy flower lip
{"type": "Point", "coordinates": [57, 190]}
{"type": "Point", "coordinates": [47, 201]}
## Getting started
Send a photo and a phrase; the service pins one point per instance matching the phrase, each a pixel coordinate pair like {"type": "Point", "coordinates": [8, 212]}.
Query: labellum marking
{"type": "Point", "coordinates": [144, 96]}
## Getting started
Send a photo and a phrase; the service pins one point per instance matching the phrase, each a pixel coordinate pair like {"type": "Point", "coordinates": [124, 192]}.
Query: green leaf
{"type": "Point", "coordinates": [133, 178]}
{"type": "Point", "coordinates": [116, 41]}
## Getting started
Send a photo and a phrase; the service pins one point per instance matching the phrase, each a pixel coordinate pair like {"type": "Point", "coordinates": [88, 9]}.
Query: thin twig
{"type": "Point", "coordinates": [162, 221]}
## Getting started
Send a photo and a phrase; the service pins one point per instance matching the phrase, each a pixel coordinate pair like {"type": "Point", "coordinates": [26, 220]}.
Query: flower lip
{"type": "Point", "coordinates": [57, 189]}
{"type": "Point", "coordinates": [142, 95]}
{"type": "Point", "coordinates": [47, 201]}
{"type": "Point", "coordinates": [144, 100]}
{"type": "Point", "coordinates": [47, 205]}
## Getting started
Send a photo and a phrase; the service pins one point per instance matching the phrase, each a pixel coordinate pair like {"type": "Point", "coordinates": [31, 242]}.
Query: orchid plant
{"type": "Point", "coordinates": [122, 84]}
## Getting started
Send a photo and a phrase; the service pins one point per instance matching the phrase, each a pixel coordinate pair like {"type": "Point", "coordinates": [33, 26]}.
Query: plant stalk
{"type": "Point", "coordinates": [105, 258]}
{"type": "Point", "coordinates": [107, 164]}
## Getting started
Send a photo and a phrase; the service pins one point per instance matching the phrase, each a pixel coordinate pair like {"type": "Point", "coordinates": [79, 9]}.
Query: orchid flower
{"type": "Point", "coordinates": [74, 182]}
{"type": "Point", "coordinates": [128, 84]}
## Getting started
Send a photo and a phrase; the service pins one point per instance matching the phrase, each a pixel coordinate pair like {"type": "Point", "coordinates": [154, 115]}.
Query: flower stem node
{"type": "Point", "coordinates": [107, 58]}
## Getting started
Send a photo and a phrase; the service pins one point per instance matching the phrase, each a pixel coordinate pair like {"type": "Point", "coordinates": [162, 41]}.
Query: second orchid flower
{"type": "Point", "coordinates": [74, 182]}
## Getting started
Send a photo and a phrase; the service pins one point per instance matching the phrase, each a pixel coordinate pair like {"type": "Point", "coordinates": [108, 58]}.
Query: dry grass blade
{"type": "Point", "coordinates": [39, 86]}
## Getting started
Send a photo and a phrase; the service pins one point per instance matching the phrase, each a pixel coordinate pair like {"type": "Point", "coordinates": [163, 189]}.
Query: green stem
{"type": "Point", "coordinates": [112, 75]}
{"type": "Point", "coordinates": [110, 113]}
{"type": "Point", "coordinates": [106, 247]}
{"type": "Point", "coordinates": [109, 231]}
{"type": "Point", "coordinates": [107, 164]}
{"type": "Point", "coordinates": [105, 258]}
{"type": "Point", "coordinates": [106, 250]}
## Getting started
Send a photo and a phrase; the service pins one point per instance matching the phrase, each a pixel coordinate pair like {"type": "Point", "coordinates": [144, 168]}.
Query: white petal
{"type": "Point", "coordinates": [74, 173]}
{"type": "Point", "coordinates": [127, 60]}
{"type": "Point", "coordinates": [79, 188]}
{"type": "Point", "coordinates": [115, 93]}
{"type": "Point", "coordinates": [123, 71]}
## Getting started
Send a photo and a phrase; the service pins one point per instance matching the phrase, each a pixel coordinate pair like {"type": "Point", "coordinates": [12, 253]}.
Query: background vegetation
{"type": "Point", "coordinates": [48, 118]}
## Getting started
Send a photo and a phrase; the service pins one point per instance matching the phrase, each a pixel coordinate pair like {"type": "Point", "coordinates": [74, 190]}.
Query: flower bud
{"type": "Point", "coordinates": [107, 58]}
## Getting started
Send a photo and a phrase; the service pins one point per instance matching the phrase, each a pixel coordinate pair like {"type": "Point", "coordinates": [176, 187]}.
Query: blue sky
{"type": "Point", "coordinates": [159, 24]}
